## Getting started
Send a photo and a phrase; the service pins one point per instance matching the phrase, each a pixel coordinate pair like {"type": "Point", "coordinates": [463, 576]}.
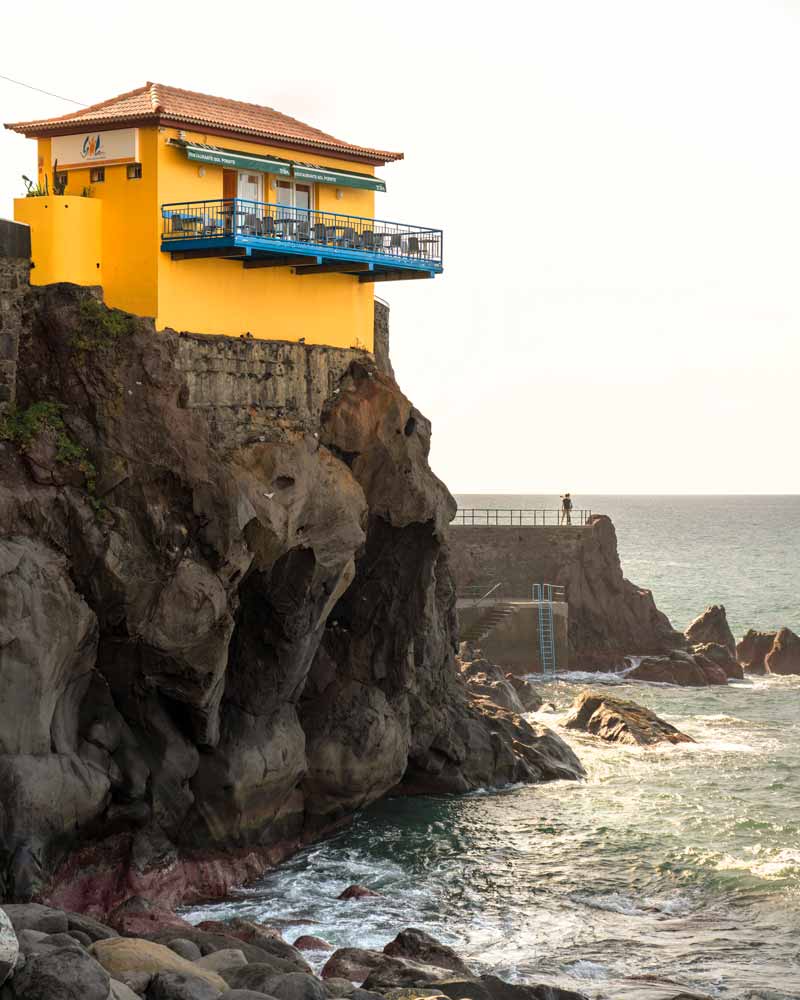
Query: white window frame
{"type": "Point", "coordinates": [293, 188]}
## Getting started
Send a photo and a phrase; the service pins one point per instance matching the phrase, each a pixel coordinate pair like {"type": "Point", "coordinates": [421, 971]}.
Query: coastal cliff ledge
{"type": "Point", "coordinates": [226, 613]}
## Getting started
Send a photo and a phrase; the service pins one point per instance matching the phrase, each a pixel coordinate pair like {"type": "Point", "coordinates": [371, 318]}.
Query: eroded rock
{"type": "Point", "coordinates": [784, 656]}
{"type": "Point", "coordinates": [712, 626]}
{"type": "Point", "coordinates": [618, 721]}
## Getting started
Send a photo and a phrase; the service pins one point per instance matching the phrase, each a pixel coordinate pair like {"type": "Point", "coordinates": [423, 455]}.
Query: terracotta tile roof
{"type": "Point", "coordinates": [155, 103]}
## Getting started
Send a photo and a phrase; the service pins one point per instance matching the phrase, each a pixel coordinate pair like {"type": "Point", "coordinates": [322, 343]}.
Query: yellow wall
{"type": "Point", "coordinates": [208, 296]}
{"type": "Point", "coordinates": [66, 239]}
{"type": "Point", "coordinates": [220, 296]}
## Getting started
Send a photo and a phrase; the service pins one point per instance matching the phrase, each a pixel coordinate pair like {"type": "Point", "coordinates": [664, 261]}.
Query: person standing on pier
{"type": "Point", "coordinates": [566, 509]}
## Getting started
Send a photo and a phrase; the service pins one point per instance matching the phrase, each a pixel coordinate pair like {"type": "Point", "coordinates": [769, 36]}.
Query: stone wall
{"type": "Point", "coordinates": [255, 387]}
{"type": "Point", "coordinates": [15, 252]}
{"type": "Point", "coordinates": [381, 338]}
{"type": "Point", "coordinates": [609, 617]}
{"type": "Point", "coordinates": [513, 643]}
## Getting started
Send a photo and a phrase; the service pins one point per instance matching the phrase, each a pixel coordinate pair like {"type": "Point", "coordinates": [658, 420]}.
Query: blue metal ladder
{"type": "Point", "coordinates": [543, 596]}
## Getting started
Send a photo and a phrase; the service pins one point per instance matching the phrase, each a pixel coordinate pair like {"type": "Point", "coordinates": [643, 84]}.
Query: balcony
{"type": "Point", "coordinates": [259, 234]}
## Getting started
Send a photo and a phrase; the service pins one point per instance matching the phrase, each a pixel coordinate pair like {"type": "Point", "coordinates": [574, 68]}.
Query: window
{"type": "Point", "coordinates": [294, 195]}
{"type": "Point", "coordinates": [60, 179]}
{"type": "Point", "coordinates": [134, 171]}
{"type": "Point", "coordinates": [97, 175]}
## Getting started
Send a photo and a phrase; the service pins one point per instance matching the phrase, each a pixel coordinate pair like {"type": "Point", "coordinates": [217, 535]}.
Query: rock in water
{"type": "Point", "coordinates": [721, 657]}
{"type": "Point", "coordinates": [784, 657]}
{"type": "Point", "coordinates": [712, 626]}
{"type": "Point", "coordinates": [357, 892]}
{"type": "Point", "coordinates": [682, 668]}
{"type": "Point", "coordinates": [421, 947]}
{"type": "Point", "coordinates": [752, 651]}
{"type": "Point", "coordinates": [619, 721]}
{"type": "Point", "coordinates": [9, 947]}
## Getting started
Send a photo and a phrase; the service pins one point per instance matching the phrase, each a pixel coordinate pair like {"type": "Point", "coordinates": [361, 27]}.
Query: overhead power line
{"type": "Point", "coordinates": [39, 90]}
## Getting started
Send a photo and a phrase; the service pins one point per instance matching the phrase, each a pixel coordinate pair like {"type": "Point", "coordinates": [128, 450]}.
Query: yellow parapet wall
{"type": "Point", "coordinates": [66, 238]}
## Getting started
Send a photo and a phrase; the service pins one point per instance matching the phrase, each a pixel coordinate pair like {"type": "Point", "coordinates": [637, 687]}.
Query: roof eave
{"type": "Point", "coordinates": [44, 130]}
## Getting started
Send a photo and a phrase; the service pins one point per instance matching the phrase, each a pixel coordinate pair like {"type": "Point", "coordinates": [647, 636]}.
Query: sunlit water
{"type": "Point", "coordinates": [682, 862]}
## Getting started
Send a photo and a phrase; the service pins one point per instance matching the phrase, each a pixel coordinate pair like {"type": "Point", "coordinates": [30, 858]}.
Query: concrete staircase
{"type": "Point", "coordinates": [488, 621]}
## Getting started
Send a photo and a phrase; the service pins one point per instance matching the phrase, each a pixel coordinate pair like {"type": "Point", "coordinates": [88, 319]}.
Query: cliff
{"type": "Point", "coordinates": [609, 617]}
{"type": "Point", "coordinates": [226, 612]}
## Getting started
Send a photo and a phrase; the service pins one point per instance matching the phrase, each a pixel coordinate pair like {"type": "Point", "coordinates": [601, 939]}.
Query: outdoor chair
{"type": "Point", "coordinates": [319, 232]}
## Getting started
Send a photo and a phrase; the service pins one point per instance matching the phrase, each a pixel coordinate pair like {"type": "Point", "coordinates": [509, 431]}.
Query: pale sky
{"type": "Point", "coordinates": [619, 186]}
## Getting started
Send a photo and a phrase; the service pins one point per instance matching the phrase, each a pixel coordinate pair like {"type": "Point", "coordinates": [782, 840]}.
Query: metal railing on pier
{"type": "Point", "coordinates": [540, 517]}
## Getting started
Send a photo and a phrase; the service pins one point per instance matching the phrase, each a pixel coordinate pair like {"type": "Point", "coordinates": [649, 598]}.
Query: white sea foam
{"type": "Point", "coordinates": [585, 969]}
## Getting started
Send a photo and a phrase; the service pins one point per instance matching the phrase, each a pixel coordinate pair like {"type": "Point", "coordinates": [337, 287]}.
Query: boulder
{"type": "Point", "coordinates": [267, 938]}
{"type": "Point", "coordinates": [784, 657]}
{"type": "Point", "coordinates": [37, 942]}
{"type": "Point", "coordinates": [712, 626]}
{"type": "Point", "coordinates": [669, 670]}
{"type": "Point", "coordinates": [351, 963]}
{"type": "Point", "coordinates": [418, 946]}
{"type": "Point", "coordinates": [244, 995]}
{"type": "Point", "coordinates": [135, 981]}
{"type": "Point", "coordinates": [185, 948]}
{"type": "Point", "coordinates": [529, 697]}
{"type": "Point", "coordinates": [619, 721]}
{"type": "Point", "coordinates": [225, 958]}
{"type": "Point", "coordinates": [35, 917]}
{"type": "Point", "coordinates": [119, 991]}
{"type": "Point", "coordinates": [61, 974]}
{"type": "Point", "coordinates": [118, 955]}
{"type": "Point", "coordinates": [358, 892]}
{"type": "Point", "coordinates": [80, 937]}
{"type": "Point", "coordinates": [139, 917]}
{"type": "Point", "coordinates": [339, 987]}
{"type": "Point", "coordinates": [307, 942]}
{"type": "Point", "coordinates": [261, 979]}
{"type": "Point", "coordinates": [208, 943]}
{"type": "Point", "coordinates": [393, 972]}
{"type": "Point", "coordinates": [720, 656]}
{"type": "Point", "coordinates": [180, 986]}
{"type": "Point", "coordinates": [93, 929]}
{"type": "Point", "coordinates": [492, 988]}
{"type": "Point", "coordinates": [9, 947]}
{"type": "Point", "coordinates": [714, 673]}
{"type": "Point", "coordinates": [752, 651]}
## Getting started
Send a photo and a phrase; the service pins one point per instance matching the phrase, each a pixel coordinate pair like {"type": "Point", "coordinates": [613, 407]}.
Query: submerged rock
{"type": "Point", "coordinates": [712, 626]}
{"type": "Point", "coordinates": [619, 721]}
{"type": "Point", "coordinates": [308, 942]}
{"type": "Point", "coordinates": [492, 988]}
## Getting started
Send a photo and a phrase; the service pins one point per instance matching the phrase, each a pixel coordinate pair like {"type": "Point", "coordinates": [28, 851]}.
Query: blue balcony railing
{"type": "Point", "coordinates": [283, 229]}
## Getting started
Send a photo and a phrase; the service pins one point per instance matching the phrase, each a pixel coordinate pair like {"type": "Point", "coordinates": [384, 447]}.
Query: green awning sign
{"type": "Point", "coordinates": [339, 178]}
{"type": "Point", "coordinates": [239, 161]}
{"type": "Point", "coordinates": [219, 157]}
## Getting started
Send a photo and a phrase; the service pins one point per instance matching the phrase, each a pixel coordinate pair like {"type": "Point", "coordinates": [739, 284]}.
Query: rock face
{"type": "Point", "coordinates": [620, 721]}
{"type": "Point", "coordinates": [609, 617]}
{"type": "Point", "coordinates": [487, 680]}
{"type": "Point", "coordinates": [228, 616]}
{"type": "Point", "coordinates": [752, 651]}
{"type": "Point", "coordinates": [784, 656]}
{"type": "Point", "coordinates": [712, 626]}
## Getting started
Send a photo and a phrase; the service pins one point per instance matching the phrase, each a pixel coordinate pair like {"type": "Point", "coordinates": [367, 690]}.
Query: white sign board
{"type": "Point", "coordinates": [119, 145]}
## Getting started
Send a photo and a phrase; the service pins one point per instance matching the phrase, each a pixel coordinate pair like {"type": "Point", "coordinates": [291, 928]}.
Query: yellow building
{"type": "Point", "coordinates": [219, 217]}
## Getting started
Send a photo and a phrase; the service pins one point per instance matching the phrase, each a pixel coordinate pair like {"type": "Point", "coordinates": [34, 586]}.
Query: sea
{"type": "Point", "coordinates": [681, 863]}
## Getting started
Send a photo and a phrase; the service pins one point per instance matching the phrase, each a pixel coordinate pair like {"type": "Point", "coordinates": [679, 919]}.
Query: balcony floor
{"type": "Point", "coordinates": [305, 257]}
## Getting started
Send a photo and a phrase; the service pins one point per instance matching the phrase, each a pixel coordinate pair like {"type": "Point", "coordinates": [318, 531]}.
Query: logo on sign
{"type": "Point", "coordinates": [92, 148]}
